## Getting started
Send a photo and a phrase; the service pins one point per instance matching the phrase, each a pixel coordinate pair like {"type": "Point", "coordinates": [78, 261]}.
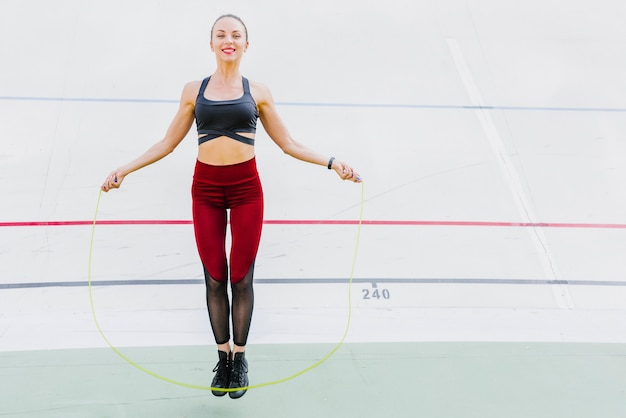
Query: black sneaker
{"type": "Point", "coordinates": [222, 374]}
{"type": "Point", "coordinates": [238, 375]}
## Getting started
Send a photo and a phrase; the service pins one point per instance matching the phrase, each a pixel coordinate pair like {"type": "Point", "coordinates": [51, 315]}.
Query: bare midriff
{"type": "Point", "coordinates": [225, 151]}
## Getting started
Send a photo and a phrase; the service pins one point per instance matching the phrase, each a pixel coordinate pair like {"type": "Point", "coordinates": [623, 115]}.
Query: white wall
{"type": "Point", "coordinates": [393, 87]}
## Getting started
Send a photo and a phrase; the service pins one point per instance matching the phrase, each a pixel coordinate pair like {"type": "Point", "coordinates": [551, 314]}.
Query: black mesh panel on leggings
{"type": "Point", "coordinates": [243, 304]}
{"type": "Point", "coordinates": [219, 308]}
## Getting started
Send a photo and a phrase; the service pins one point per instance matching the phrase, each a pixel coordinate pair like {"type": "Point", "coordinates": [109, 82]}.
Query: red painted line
{"type": "Point", "coordinates": [331, 222]}
{"type": "Point", "coordinates": [498, 224]}
{"type": "Point", "coordinates": [83, 223]}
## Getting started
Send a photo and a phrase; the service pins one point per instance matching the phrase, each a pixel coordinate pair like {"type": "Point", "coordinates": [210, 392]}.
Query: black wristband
{"type": "Point", "coordinates": [330, 162]}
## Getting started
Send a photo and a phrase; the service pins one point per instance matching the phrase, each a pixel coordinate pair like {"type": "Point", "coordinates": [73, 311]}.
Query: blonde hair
{"type": "Point", "coordinates": [232, 16]}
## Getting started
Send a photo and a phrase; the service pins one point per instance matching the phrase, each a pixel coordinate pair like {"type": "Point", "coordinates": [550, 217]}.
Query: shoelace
{"type": "Point", "coordinates": [238, 370]}
{"type": "Point", "coordinates": [221, 368]}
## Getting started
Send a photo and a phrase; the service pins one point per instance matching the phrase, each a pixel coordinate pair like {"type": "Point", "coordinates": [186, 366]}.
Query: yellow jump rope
{"type": "Point", "coordinates": [203, 387]}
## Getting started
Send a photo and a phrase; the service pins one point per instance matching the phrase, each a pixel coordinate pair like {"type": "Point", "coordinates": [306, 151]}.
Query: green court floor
{"type": "Point", "coordinates": [433, 380]}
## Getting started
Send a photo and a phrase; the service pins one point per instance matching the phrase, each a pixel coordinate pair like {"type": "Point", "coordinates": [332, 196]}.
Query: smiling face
{"type": "Point", "coordinates": [229, 38]}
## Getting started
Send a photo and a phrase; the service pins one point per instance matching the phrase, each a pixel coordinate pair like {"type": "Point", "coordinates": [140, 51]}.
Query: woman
{"type": "Point", "coordinates": [225, 107]}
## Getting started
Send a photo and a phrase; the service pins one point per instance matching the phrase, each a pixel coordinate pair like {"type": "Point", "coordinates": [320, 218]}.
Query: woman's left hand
{"type": "Point", "coordinates": [346, 172]}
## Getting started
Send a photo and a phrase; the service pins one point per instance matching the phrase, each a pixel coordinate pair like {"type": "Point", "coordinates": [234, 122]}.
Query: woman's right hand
{"type": "Point", "coordinates": [113, 181]}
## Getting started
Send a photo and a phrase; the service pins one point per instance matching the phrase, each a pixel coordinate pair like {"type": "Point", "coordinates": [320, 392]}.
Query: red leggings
{"type": "Point", "coordinates": [216, 189]}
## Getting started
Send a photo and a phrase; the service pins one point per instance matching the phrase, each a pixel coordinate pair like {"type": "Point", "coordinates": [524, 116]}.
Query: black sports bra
{"type": "Point", "coordinates": [215, 118]}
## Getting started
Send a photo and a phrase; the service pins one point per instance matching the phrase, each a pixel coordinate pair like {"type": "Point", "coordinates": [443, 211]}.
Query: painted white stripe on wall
{"type": "Point", "coordinates": [561, 294]}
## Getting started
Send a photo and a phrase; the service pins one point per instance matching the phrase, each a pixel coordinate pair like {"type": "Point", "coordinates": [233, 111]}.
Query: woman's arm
{"type": "Point", "coordinates": [277, 130]}
{"type": "Point", "coordinates": [178, 129]}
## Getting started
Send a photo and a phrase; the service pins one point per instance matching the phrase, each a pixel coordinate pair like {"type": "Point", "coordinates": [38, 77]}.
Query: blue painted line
{"type": "Point", "coordinates": [342, 105]}
{"type": "Point", "coordinates": [373, 281]}
{"type": "Point", "coordinates": [84, 99]}
{"type": "Point", "coordinates": [458, 107]}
